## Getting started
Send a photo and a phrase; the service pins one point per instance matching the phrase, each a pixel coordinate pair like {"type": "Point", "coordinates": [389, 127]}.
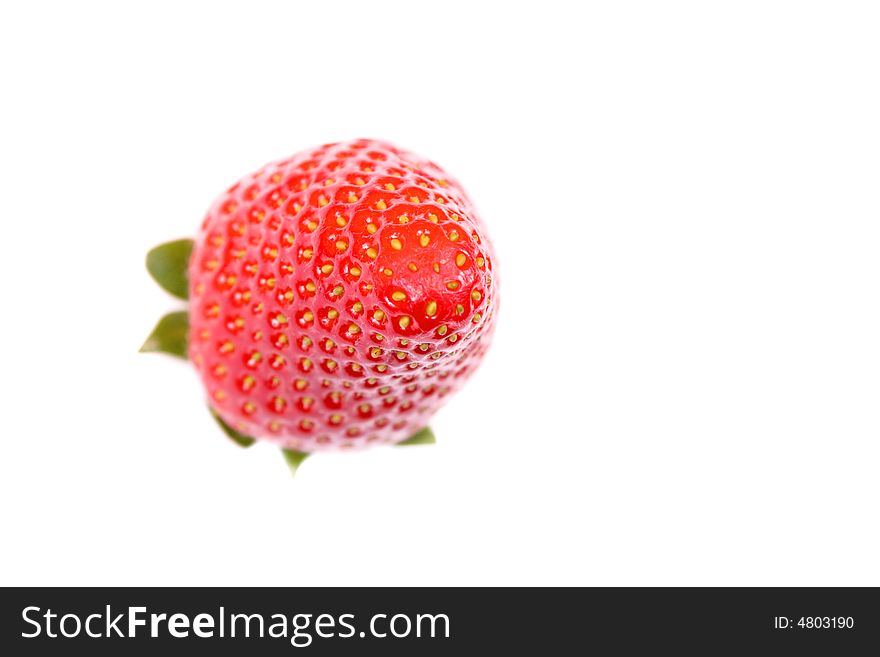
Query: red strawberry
{"type": "Point", "coordinates": [337, 297]}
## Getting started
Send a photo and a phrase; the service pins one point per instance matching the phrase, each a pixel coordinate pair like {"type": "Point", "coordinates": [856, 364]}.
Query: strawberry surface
{"type": "Point", "coordinates": [338, 297]}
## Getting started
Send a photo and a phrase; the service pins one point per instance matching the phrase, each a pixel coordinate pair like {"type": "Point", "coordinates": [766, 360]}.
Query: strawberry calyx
{"type": "Point", "coordinates": [294, 459]}
{"type": "Point", "coordinates": [423, 437]}
{"type": "Point", "coordinates": [170, 335]}
{"type": "Point", "coordinates": [167, 264]}
{"type": "Point", "coordinates": [235, 436]}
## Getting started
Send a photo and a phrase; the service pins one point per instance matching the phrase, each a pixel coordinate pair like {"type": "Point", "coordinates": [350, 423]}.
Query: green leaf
{"type": "Point", "coordinates": [238, 438]}
{"type": "Point", "coordinates": [170, 335]}
{"type": "Point", "coordinates": [423, 437]}
{"type": "Point", "coordinates": [294, 459]}
{"type": "Point", "coordinates": [167, 264]}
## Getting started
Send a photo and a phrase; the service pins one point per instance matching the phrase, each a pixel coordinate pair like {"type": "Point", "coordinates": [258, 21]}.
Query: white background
{"type": "Point", "coordinates": [684, 199]}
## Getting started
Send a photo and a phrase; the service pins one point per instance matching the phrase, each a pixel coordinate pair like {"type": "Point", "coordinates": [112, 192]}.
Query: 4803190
{"type": "Point", "coordinates": [825, 622]}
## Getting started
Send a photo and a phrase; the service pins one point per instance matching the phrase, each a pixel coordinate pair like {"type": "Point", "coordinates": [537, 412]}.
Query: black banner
{"type": "Point", "coordinates": [409, 621]}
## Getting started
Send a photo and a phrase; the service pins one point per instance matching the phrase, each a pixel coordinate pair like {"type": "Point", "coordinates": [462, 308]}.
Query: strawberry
{"type": "Point", "coordinates": [336, 298]}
